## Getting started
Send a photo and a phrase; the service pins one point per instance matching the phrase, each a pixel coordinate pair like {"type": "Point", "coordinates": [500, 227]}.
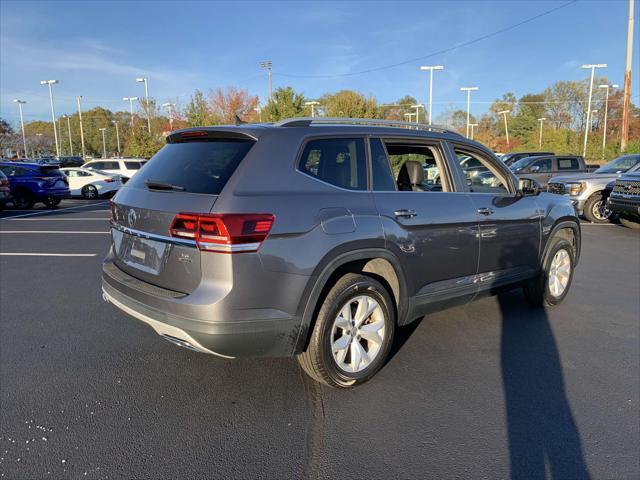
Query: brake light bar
{"type": "Point", "coordinates": [223, 232]}
{"type": "Point", "coordinates": [193, 134]}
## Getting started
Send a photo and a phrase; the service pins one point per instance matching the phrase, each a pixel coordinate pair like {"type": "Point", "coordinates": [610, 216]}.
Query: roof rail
{"type": "Point", "coordinates": [307, 121]}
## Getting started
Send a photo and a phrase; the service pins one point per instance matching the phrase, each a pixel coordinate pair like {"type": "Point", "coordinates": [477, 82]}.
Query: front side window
{"type": "Point", "coordinates": [568, 164]}
{"type": "Point", "coordinates": [542, 166]}
{"type": "Point", "coordinates": [96, 165]}
{"type": "Point", "coordinates": [484, 179]}
{"type": "Point", "coordinates": [337, 161]}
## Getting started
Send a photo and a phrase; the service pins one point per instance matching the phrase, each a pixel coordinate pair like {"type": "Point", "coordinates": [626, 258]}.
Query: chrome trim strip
{"type": "Point", "coordinates": [238, 247]}
{"type": "Point", "coordinates": [152, 236]}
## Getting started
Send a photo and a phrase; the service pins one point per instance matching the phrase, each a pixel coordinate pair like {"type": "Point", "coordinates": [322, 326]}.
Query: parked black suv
{"type": "Point", "coordinates": [624, 199]}
{"type": "Point", "coordinates": [318, 237]}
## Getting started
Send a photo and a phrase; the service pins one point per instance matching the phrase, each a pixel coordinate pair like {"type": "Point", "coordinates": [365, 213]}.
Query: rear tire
{"type": "Point", "coordinates": [52, 202]}
{"type": "Point", "coordinates": [627, 222]}
{"type": "Point", "coordinates": [366, 337]}
{"type": "Point", "coordinates": [595, 209]}
{"type": "Point", "coordinates": [89, 192]}
{"type": "Point", "coordinates": [23, 200]}
{"type": "Point", "coordinates": [553, 282]}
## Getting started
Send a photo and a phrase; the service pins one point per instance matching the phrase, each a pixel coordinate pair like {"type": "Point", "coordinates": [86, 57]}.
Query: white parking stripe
{"type": "Point", "coordinates": [48, 231]}
{"type": "Point", "coordinates": [47, 254]}
{"type": "Point", "coordinates": [57, 210]}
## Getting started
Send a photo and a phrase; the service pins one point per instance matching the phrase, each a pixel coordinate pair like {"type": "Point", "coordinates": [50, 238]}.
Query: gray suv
{"type": "Point", "coordinates": [319, 237]}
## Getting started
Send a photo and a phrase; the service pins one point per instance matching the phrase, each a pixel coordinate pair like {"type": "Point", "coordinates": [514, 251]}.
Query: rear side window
{"type": "Point", "coordinates": [11, 171]}
{"type": "Point", "coordinates": [198, 167]}
{"type": "Point", "coordinates": [568, 164]}
{"type": "Point", "coordinates": [338, 161]}
{"type": "Point", "coordinates": [132, 165]}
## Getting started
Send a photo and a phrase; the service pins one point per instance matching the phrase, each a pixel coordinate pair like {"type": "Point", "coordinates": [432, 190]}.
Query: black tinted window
{"type": "Point", "coordinates": [380, 169]}
{"type": "Point", "coordinates": [132, 165]}
{"type": "Point", "coordinates": [96, 165]}
{"type": "Point", "coordinates": [338, 161]}
{"type": "Point", "coordinates": [542, 165]}
{"type": "Point", "coordinates": [198, 167]}
{"type": "Point", "coordinates": [568, 164]}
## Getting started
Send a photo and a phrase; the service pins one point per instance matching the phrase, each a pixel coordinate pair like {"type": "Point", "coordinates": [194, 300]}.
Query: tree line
{"type": "Point", "coordinates": [563, 105]}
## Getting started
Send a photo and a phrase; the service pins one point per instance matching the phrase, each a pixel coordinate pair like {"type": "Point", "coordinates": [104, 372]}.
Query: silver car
{"type": "Point", "coordinates": [319, 237]}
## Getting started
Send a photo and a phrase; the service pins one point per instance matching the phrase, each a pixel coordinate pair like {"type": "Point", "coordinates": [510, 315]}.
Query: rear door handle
{"type": "Point", "coordinates": [405, 213]}
{"type": "Point", "coordinates": [485, 211]}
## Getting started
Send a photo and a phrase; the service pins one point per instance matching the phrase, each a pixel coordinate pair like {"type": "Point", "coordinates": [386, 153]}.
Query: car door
{"type": "Point", "coordinates": [431, 227]}
{"type": "Point", "coordinates": [510, 223]}
{"type": "Point", "coordinates": [75, 182]}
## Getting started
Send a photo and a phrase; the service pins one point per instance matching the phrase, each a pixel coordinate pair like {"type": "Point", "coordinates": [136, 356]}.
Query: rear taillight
{"type": "Point", "coordinates": [224, 232]}
{"type": "Point", "coordinates": [108, 180]}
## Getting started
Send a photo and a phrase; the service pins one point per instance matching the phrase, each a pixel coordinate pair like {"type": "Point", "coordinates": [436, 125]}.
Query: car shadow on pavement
{"type": "Point", "coordinates": [543, 437]}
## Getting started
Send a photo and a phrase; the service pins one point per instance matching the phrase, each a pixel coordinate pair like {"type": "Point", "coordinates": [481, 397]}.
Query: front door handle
{"type": "Point", "coordinates": [405, 213]}
{"type": "Point", "coordinates": [485, 211]}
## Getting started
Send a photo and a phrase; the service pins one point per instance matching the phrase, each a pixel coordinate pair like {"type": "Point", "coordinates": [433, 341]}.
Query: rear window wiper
{"type": "Point", "coordinates": [155, 185]}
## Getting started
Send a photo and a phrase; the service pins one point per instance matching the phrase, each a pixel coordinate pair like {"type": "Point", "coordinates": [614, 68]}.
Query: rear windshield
{"type": "Point", "coordinates": [197, 167]}
{"type": "Point", "coordinates": [51, 170]}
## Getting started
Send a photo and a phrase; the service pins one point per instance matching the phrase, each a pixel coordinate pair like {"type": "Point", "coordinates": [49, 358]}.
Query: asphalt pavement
{"type": "Point", "coordinates": [493, 389]}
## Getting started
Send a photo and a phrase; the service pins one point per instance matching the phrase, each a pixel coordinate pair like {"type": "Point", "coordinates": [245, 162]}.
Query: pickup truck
{"type": "Point", "coordinates": [543, 168]}
{"type": "Point", "coordinates": [587, 190]}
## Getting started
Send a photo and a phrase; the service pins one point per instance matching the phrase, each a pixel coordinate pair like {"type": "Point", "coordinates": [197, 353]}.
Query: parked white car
{"type": "Point", "coordinates": [125, 167]}
{"type": "Point", "coordinates": [91, 183]}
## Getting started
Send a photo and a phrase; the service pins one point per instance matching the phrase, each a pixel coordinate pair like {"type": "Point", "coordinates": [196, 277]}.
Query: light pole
{"type": "Point", "coordinates": [431, 68]}
{"type": "Point", "coordinates": [169, 106]}
{"type": "Point", "coordinates": [587, 127]}
{"type": "Point", "coordinates": [268, 64]}
{"type": "Point", "coordinates": [104, 143]}
{"type": "Point", "coordinates": [81, 131]}
{"type": "Point", "coordinates": [259, 110]}
{"type": "Point", "coordinates": [469, 90]}
{"type": "Point", "coordinates": [541, 120]}
{"type": "Point", "coordinates": [506, 124]}
{"type": "Point", "coordinates": [130, 100]}
{"type": "Point", "coordinates": [69, 129]}
{"type": "Point", "coordinates": [473, 125]}
{"type": "Point", "coordinates": [146, 100]}
{"type": "Point", "coordinates": [53, 112]}
{"type": "Point", "coordinates": [606, 113]}
{"type": "Point", "coordinates": [115, 122]}
{"type": "Point", "coordinates": [24, 138]}
{"type": "Point", "coordinates": [626, 104]}
{"type": "Point", "coordinates": [313, 103]}
{"type": "Point", "coordinates": [417, 107]}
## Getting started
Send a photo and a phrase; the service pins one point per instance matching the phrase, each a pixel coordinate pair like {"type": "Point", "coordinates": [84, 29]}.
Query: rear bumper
{"type": "Point", "coordinates": [267, 332]}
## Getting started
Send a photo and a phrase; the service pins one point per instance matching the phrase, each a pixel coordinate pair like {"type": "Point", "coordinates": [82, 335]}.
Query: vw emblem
{"type": "Point", "coordinates": [132, 217]}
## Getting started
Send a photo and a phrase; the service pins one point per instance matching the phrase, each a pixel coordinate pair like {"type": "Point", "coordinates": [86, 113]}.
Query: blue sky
{"type": "Point", "coordinates": [97, 49]}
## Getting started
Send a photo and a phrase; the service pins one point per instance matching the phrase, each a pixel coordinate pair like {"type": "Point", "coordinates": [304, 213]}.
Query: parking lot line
{"type": "Point", "coordinates": [3, 254]}
{"type": "Point", "coordinates": [58, 210]}
{"type": "Point", "coordinates": [48, 231]}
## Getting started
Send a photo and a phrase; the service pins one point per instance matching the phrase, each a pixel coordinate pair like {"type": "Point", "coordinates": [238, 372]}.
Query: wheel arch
{"type": "Point", "coordinates": [567, 227]}
{"type": "Point", "coordinates": [379, 263]}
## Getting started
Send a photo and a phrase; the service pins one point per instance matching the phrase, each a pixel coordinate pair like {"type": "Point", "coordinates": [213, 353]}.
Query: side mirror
{"type": "Point", "coordinates": [528, 187]}
{"type": "Point", "coordinates": [534, 168]}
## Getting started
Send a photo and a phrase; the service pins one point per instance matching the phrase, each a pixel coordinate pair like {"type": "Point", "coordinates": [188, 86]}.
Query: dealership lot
{"type": "Point", "coordinates": [477, 391]}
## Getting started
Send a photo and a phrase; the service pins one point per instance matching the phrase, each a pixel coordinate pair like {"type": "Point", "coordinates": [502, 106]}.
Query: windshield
{"type": "Point", "coordinates": [520, 164]}
{"type": "Point", "coordinates": [620, 165]}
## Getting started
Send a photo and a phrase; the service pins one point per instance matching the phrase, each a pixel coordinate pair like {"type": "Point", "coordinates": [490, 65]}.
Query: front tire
{"type": "Point", "coordinates": [595, 209]}
{"type": "Point", "coordinates": [353, 333]}
{"type": "Point", "coordinates": [552, 284]}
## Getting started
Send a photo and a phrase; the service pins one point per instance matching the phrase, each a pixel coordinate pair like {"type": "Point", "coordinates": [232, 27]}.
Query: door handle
{"type": "Point", "coordinates": [405, 213]}
{"type": "Point", "coordinates": [485, 211]}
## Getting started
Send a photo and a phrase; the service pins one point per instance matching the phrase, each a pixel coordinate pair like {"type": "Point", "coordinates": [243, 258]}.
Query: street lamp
{"type": "Point", "coordinates": [431, 68]}
{"type": "Point", "coordinates": [146, 99]}
{"type": "Point", "coordinates": [417, 107]}
{"type": "Point", "coordinates": [469, 90]}
{"type": "Point", "coordinates": [104, 143]}
{"type": "Point", "coordinates": [541, 120]}
{"type": "Point", "coordinates": [53, 112]}
{"type": "Point", "coordinates": [69, 129]}
{"type": "Point", "coordinates": [313, 103]}
{"type": "Point", "coordinates": [115, 122]}
{"type": "Point", "coordinates": [586, 129]}
{"type": "Point", "coordinates": [473, 125]}
{"type": "Point", "coordinates": [606, 113]}
{"type": "Point", "coordinates": [169, 106]}
{"type": "Point", "coordinates": [81, 131]}
{"type": "Point", "coordinates": [268, 64]}
{"type": "Point", "coordinates": [130, 100]}
{"type": "Point", "coordinates": [506, 125]}
{"type": "Point", "coordinates": [24, 138]}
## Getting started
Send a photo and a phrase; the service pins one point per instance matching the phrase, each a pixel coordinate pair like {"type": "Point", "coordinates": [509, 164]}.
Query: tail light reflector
{"type": "Point", "coordinates": [108, 180]}
{"type": "Point", "coordinates": [223, 232]}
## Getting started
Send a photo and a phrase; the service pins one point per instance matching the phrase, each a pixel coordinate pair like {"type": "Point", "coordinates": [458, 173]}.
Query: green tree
{"type": "Point", "coordinates": [197, 112]}
{"type": "Point", "coordinates": [142, 144]}
{"type": "Point", "coordinates": [286, 103]}
{"type": "Point", "coordinates": [350, 104]}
